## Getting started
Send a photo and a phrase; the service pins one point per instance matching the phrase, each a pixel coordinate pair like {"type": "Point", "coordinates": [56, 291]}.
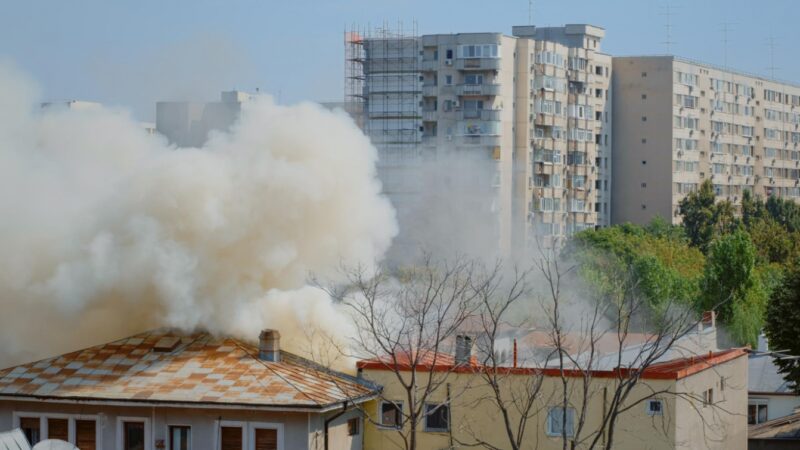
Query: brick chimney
{"type": "Point", "coordinates": [269, 345]}
{"type": "Point", "coordinates": [463, 349]}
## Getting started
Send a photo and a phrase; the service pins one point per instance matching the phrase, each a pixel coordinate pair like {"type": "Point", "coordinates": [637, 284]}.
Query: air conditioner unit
{"type": "Point", "coordinates": [448, 62]}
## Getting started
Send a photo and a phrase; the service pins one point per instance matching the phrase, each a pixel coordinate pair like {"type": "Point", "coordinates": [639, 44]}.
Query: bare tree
{"type": "Point", "coordinates": [406, 323]}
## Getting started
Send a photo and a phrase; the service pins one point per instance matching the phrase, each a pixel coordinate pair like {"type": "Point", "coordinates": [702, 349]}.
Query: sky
{"type": "Point", "coordinates": [132, 53]}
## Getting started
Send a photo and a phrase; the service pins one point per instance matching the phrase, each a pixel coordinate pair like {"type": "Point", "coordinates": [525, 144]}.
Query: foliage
{"type": "Point", "coordinates": [733, 287]}
{"type": "Point", "coordinates": [783, 325]}
{"type": "Point", "coordinates": [704, 218]}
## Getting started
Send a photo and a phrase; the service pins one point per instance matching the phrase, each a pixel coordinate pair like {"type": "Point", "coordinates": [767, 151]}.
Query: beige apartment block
{"type": "Point", "coordinates": [680, 122]}
{"type": "Point", "coordinates": [487, 143]}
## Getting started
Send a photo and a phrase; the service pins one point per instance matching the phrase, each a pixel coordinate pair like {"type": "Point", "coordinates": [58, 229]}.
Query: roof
{"type": "Point", "coordinates": [166, 366]}
{"type": "Point", "coordinates": [783, 428]}
{"type": "Point", "coordinates": [674, 369]}
{"type": "Point", "coordinates": [13, 440]}
{"type": "Point", "coordinates": [427, 361]}
{"type": "Point", "coordinates": [763, 376]}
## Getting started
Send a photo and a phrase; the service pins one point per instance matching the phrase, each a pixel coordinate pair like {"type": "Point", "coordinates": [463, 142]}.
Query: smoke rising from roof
{"type": "Point", "coordinates": [107, 231]}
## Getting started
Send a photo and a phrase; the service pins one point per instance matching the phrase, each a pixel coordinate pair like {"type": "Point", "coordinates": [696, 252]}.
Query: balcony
{"type": "Point", "coordinates": [477, 89]}
{"type": "Point", "coordinates": [480, 114]}
{"type": "Point", "coordinates": [430, 90]}
{"type": "Point", "coordinates": [430, 65]}
{"type": "Point", "coordinates": [478, 64]}
{"type": "Point", "coordinates": [479, 140]}
{"type": "Point", "coordinates": [430, 116]}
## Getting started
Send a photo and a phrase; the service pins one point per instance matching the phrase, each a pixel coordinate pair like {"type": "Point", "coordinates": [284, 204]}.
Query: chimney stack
{"type": "Point", "coordinates": [269, 345]}
{"type": "Point", "coordinates": [463, 349]}
{"type": "Point", "coordinates": [709, 319]}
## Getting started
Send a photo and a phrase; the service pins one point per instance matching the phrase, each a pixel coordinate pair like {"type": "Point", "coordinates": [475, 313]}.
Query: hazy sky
{"type": "Point", "coordinates": [131, 53]}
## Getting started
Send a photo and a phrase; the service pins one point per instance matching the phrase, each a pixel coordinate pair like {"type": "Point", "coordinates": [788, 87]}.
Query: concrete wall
{"type": "Point", "coordinates": [642, 154]}
{"type": "Point", "coordinates": [296, 430]}
{"type": "Point", "coordinates": [473, 412]}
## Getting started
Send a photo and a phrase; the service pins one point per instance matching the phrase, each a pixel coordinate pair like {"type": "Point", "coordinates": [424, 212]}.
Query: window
{"type": "Point", "coordinates": [644, 96]}
{"type": "Point", "coordinates": [756, 414]}
{"type": "Point", "coordinates": [352, 426]}
{"type": "Point", "coordinates": [86, 434]}
{"type": "Point", "coordinates": [133, 435]}
{"type": "Point", "coordinates": [231, 438]}
{"type": "Point", "coordinates": [654, 407]}
{"type": "Point", "coordinates": [448, 79]}
{"type": "Point", "coordinates": [392, 414]}
{"type": "Point", "coordinates": [30, 428]}
{"type": "Point", "coordinates": [478, 51]}
{"type": "Point", "coordinates": [556, 425]}
{"type": "Point", "coordinates": [58, 429]}
{"type": "Point", "coordinates": [180, 438]}
{"type": "Point", "coordinates": [708, 395]}
{"type": "Point", "coordinates": [266, 439]}
{"type": "Point", "coordinates": [473, 79]}
{"type": "Point", "coordinates": [449, 53]}
{"type": "Point", "coordinates": [437, 417]}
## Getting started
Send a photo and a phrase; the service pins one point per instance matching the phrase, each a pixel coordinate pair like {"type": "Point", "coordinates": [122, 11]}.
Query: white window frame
{"type": "Point", "coordinates": [148, 432]}
{"type": "Point", "coordinates": [71, 430]}
{"type": "Point", "coordinates": [253, 426]}
{"type": "Point", "coordinates": [549, 424]}
{"type": "Point", "coordinates": [168, 444]}
{"type": "Point", "coordinates": [649, 411]}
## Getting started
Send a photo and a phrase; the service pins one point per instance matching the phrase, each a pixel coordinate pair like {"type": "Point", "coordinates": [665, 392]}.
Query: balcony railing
{"type": "Point", "coordinates": [478, 64]}
{"type": "Point", "coordinates": [430, 90]}
{"type": "Point", "coordinates": [480, 114]}
{"type": "Point", "coordinates": [430, 116]}
{"type": "Point", "coordinates": [477, 89]}
{"type": "Point", "coordinates": [430, 65]}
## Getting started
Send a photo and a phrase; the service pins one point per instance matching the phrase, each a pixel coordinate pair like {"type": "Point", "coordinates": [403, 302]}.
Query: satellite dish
{"type": "Point", "coordinates": [54, 444]}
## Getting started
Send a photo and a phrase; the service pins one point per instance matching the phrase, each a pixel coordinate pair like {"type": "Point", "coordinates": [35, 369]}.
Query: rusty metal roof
{"type": "Point", "coordinates": [172, 367]}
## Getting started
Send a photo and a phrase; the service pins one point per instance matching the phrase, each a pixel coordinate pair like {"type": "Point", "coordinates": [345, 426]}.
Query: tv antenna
{"type": "Point", "coordinates": [727, 27]}
{"type": "Point", "coordinates": [667, 11]}
{"type": "Point", "coordinates": [771, 44]}
{"type": "Point", "coordinates": [530, 12]}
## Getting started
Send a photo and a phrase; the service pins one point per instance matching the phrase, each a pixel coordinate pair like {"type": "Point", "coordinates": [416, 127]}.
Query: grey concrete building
{"type": "Point", "coordinates": [187, 124]}
{"type": "Point", "coordinates": [678, 122]}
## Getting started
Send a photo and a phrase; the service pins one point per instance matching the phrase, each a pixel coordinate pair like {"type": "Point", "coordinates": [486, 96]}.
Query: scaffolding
{"type": "Point", "coordinates": [383, 90]}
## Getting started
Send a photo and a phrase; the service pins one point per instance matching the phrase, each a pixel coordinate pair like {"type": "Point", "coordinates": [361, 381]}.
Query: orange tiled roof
{"type": "Point", "coordinates": [197, 368]}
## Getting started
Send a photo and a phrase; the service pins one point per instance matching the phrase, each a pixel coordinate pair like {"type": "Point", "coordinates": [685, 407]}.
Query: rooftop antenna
{"type": "Point", "coordinates": [771, 44]}
{"type": "Point", "coordinates": [530, 12]}
{"type": "Point", "coordinates": [727, 27]}
{"type": "Point", "coordinates": [668, 12]}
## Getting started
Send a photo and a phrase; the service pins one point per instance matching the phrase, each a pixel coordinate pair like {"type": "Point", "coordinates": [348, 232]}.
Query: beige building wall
{"type": "Point", "coordinates": [473, 412]}
{"type": "Point", "coordinates": [680, 122]}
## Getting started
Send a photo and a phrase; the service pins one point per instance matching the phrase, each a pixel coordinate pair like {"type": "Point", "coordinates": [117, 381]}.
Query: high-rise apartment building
{"type": "Point", "coordinates": [679, 122]}
{"type": "Point", "coordinates": [506, 139]}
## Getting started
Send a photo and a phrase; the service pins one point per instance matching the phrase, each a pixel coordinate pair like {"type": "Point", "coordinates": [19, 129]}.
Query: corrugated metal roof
{"type": "Point", "coordinates": [13, 440]}
{"type": "Point", "coordinates": [201, 369]}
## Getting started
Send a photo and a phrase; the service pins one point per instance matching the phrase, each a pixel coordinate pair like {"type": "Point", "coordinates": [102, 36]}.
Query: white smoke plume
{"type": "Point", "coordinates": [107, 231]}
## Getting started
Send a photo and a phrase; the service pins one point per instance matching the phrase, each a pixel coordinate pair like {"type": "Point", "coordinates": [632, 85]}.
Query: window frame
{"type": "Point", "coordinates": [230, 424]}
{"type": "Point", "coordinates": [436, 406]}
{"type": "Point", "coordinates": [43, 428]}
{"type": "Point", "coordinates": [549, 422]}
{"type": "Point", "coordinates": [353, 423]}
{"type": "Point", "coordinates": [169, 428]}
{"type": "Point", "coordinates": [251, 433]}
{"type": "Point", "coordinates": [396, 404]}
{"type": "Point", "coordinates": [120, 429]}
{"type": "Point", "coordinates": [652, 413]}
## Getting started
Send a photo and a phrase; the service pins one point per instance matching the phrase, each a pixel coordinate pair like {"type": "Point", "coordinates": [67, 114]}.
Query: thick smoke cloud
{"type": "Point", "coordinates": [107, 231]}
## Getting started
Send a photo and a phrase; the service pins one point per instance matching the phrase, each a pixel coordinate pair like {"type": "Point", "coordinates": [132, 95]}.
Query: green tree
{"type": "Point", "coordinates": [733, 287]}
{"type": "Point", "coordinates": [783, 326]}
{"type": "Point", "coordinates": [703, 218]}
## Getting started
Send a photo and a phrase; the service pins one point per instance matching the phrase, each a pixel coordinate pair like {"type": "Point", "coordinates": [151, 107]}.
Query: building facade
{"type": "Point", "coordinates": [679, 122]}
{"type": "Point", "coordinates": [508, 137]}
{"type": "Point", "coordinates": [187, 124]}
{"type": "Point", "coordinates": [685, 403]}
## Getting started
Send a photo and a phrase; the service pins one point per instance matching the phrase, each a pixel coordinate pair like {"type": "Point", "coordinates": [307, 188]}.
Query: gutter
{"type": "Point", "coordinates": [331, 419]}
{"type": "Point", "coordinates": [317, 409]}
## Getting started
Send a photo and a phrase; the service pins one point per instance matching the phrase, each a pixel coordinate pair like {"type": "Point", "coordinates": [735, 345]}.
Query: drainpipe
{"type": "Point", "coordinates": [331, 419]}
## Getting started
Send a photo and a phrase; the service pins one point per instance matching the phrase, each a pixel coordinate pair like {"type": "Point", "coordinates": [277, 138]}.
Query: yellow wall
{"type": "Point", "coordinates": [473, 413]}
